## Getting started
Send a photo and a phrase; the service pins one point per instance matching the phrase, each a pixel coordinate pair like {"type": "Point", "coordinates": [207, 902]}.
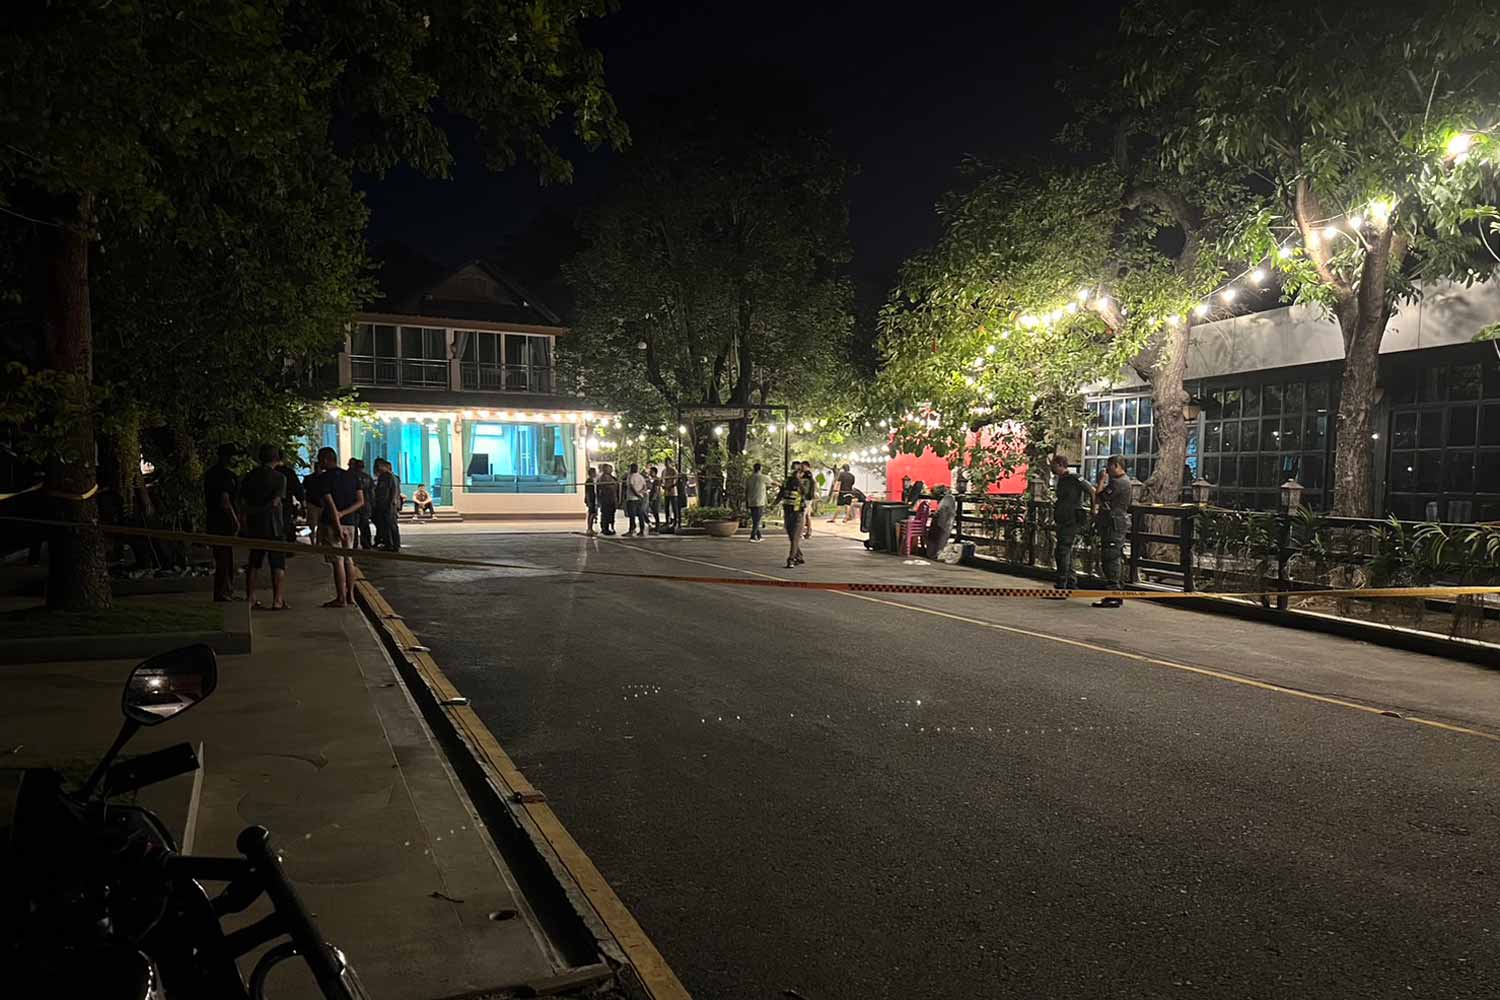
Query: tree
{"type": "Point", "coordinates": [713, 272]}
{"type": "Point", "coordinates": [1040, 285]}
{"type": "Point", "coordinates": [1344, 116]}
{"type": "Point", "coordinates": [115, 114]}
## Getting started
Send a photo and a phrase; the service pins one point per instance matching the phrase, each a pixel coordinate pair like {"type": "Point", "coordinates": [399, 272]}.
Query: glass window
{"type": "Point", "coordinates": [1312, 472]}
{"type": "Point", "coordinates": [1211, 469]}
{"type": "Point", "coordinates": [1146, 437]}
{"type": "Point", "coordinates": [1403, 470]}
{"type": "Point", "coordinates": [1291, 400]}
{"type": "Point", "coordinates": [1229, 472]}
{"type": "Point", "coordinates": [1404, 429]}
{"type": "Point", "coordinates": [385, 341]}
{"type": "Point", "coordinates": [519, 457]}
{"type": "Point", "coordinates": [416, 449]}
{"type": "Point", "coordinates": [1459, 468]}
{"type": "Point", "coordinates": [1270, 434]}
{"type": "Point", "coordinates": [1432, 385]}
{"type": "Point", "coordinates": [1132, 411]}
{"type": "Point", "coordinates": [1464, 382]}
{"type": "Point", "coordinates": [1268, 468]}
{"type": "Point", "coordinates": [1270, 400]}
{"type": "Point", "coordinates": [1489, 472]}
{"type": "Point", "coordinates": [363, 340]}
{"type": "Point", "coordinates": [1127, 447]}
{"type": "Point", "coordinates": [1429, 470]}
{"type": "Point", "coordinates": [1213, 404]}
{"type": "Point", "coordinates": [1489, 425]}
{"type": "Point", "coordinates": [1291, 433]}
{"type": "Point", "coordinates": [1117, 413]}
{"type": "Point", "coordinates": [1461, 421]}
{"type": "Point", "coordinates": [1250, 398]}
{"type": "Point", "coordinates": [1146, 409]}
{"type": "Point", "coordinates": [1231, 436]}
{"type": "Point", "coordinates": [1317, 397]}
{"type": "Point", "coordinates": [1430, 429]}
{"type": "Point", "coordinates": [1317, 431]}
{"type": "Point", "coordinates": [1213, 437]}
{"type": "Point", "coordinates": [1250, 469]}
{"type": "Point", "coordinates": [1231, 402]}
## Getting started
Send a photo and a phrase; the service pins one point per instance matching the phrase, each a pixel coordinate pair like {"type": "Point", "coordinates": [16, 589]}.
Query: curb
{"type": "Point", "coordinates": [522, 822]}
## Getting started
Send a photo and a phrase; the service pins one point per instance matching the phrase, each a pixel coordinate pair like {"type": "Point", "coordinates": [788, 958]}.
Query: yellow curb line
{"type": "Point", "coordinates": [655, 975]}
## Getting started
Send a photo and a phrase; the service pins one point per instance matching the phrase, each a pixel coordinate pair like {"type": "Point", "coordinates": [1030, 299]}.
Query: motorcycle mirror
{"type": "Point", "coordinates": [169, 683]}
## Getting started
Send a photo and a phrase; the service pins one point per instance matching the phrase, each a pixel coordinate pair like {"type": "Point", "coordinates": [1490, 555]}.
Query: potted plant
{"type": "Point", "coordinates": [720, 522]}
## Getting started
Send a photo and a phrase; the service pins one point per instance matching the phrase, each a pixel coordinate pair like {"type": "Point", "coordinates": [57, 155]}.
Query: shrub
{"type": "Point", "coordinates": [695, 516]}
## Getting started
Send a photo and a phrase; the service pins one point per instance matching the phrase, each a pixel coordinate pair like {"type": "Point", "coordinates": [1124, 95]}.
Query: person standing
{"type": "Point", "coordinates": [362, 517]}
{"type": "Point", "coordinates": [793, 503]}
{"type": "Point", "coordinates": [845, 488]}
{"type": "Point", "coordinates": [387, 512]}
{"type": "Point", "coordinates": [710, 483]}
{"type": "Point", "coordinates": [220, 487]}
{"type": "Point", "coordinates": [263, 503]}
{"type": "Point", "coordinates": [756, 485]}
{"type": "Point", "coordinates": [1113, 497]}
{"type": "Point", "coordinates": [292, 498]}
{"type": "Point", "coordinates": [1073, 496]}
{"type": "Point", "coordinates": [669, 492]}
{"type": "Point", "coordinates": [608, 491]}
{"type": "Point", "coordinates": [336, 497]}
{"type": "Point", "coordinates": [810, 496]}
{"type": "Point", "coordinates": [680, 503]}
{"type": "Point", "coordinates": [635, 499]}
{"type": "Point", "coordinates": [591, 500]}
{"type": "Point", "coordinates": [653, 497]}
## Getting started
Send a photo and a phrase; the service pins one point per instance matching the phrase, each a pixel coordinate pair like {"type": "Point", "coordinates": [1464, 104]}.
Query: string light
{"type": "Point", "coordinates": [1356, 223]}
{"type": "Point", "coordinates": [1460, 144]}
{"type": "Point", "coordinates": [1228, 295]}
{"type": "Point", "coordinates": [1380, 211]}
{"type": "Point", "coordinates": [1284, 252]}
{"type": "Point", "coordinates": [1201, 310]}
{"type": "Point", "coordinates": [1331, 233]}
{"type": "Point", "coordinates": [1258, 275]}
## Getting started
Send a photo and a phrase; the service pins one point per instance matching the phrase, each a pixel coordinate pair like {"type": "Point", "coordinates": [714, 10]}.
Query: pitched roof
{"type": "Point", "coordinates": [412, 284]}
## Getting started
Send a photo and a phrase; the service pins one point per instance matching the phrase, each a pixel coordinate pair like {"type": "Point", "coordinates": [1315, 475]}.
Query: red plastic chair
{"type": "Point", "coordinates": [913, 530]}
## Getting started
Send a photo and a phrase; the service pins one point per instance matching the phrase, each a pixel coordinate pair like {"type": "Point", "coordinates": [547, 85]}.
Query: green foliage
{"type": "Point", "coordinates": [694, 517]}
{"type": "Point", "coordinates": [713, 271]}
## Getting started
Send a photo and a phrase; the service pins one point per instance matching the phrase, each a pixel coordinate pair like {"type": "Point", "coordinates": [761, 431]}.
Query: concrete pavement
{"type": "Point", "coordinates": [313, 736]}
{"type": "Point", "coordinates": [854, 796]}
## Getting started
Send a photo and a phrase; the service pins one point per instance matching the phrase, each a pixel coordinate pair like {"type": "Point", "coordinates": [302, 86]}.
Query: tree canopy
{"type": "Point", "coordinates": [714, 268]}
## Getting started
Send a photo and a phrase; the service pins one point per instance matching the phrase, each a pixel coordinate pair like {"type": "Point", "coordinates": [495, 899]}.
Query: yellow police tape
{"type": "Point", "coordinates": [938, 590]}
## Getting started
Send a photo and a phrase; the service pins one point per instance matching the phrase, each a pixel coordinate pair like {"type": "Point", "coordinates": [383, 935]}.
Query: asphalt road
{"type": "Point", "coordinates": [855, 798]}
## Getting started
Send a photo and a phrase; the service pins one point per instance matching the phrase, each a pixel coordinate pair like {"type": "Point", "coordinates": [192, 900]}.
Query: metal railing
{"type": "Point", "coordinates": [419, 373]}
{"type": "Point", "coordinates": [477, 376]}
{"type": "Point", "coordinates": [1199, 548]}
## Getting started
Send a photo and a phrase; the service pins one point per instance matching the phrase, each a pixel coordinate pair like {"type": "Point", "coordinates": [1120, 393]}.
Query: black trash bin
{"type": "Point", "coordinates": [884, 515]}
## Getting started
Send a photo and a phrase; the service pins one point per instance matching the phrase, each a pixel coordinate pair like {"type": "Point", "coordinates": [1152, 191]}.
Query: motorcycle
{"type": "Point", "coordinates": [97, 902]}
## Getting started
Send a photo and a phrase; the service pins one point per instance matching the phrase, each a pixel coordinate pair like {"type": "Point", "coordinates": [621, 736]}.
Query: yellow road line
{"type": "Point", "coordinates": [1137, 657]}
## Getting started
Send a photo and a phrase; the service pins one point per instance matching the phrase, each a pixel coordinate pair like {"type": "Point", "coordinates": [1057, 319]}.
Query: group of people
{"type": "Point", "coordinates": [1108, 502]}
{"type": "Point", "coordinates": [341, 505]}
{"type": "Point", "coordinates": [644, 495]}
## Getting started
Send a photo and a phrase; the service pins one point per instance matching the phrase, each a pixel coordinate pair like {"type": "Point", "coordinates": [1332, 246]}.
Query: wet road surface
{"type": "Point", "coordinates": [929, 797]}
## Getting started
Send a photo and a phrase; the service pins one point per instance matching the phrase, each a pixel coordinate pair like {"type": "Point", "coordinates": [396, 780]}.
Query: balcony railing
{"type": "Point", "coordinates": [419, 373]}
{"type": "Point", "coordinates": [482, 377]}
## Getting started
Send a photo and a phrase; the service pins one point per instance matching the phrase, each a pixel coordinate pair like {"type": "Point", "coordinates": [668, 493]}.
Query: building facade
{"type": "Point", "coordinates": [1265, 391]}
{"type": "Point", "coordinates": [459, 368]}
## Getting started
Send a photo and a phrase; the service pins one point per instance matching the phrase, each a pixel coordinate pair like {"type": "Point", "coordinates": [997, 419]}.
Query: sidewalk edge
{"type": "Point", "coordinates": [508, 793]}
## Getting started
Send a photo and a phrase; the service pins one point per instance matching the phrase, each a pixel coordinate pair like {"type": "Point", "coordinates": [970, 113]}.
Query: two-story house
{"type": "Point", "coordinates": [458, 365]}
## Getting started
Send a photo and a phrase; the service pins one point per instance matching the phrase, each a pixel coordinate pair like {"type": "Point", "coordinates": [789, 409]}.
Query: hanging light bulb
{"type": "Point", "coordinates": [1284, 252]}
{"type": "Point", "coordinates": [1228, 295]}
{"type": "Point", "coordinates": [1200, 310]}
{"type": "Point", "coordinates": [1175, 320]}
{"type": "Point", "coordinates": [1028, 321]}
{"type": "Point", "coordinates": [1083, 295]}
{"type": "Point", "coordinates": [1072, 307]}
{"type": "Point", "coordinates": [1380, 211]}
{"type": "Point", "coordinates": [1258, 275]}
{"type": "Point", "coordinates": [1356, 223]}
{"type": "Point", "coordinates": [1331, 233]}
{"type": "Point", "coordinates": [1459, 145]}
{"type": "Point", "coordinates": [989, 349]}
{"type": "Point", "coordinates": [807, 426]}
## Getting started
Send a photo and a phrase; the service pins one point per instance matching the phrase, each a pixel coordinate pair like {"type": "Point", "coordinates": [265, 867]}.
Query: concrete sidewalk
{"type": "Point", "coordinates": [314, 736]}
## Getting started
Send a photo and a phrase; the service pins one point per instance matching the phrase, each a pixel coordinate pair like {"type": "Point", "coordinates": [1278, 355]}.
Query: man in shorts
{"type": "Point", "coordinates": [335, 494]}
{"type": "Point", "coordinates": [263, 505]}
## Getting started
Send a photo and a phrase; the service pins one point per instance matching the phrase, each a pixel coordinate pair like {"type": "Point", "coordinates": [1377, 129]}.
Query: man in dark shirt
{"type": "Point", "coordinates": [335, 495]}
{"type": "Point", "coordinates": [263, 503]}
{"type": "Point", "coordinates": [220, 487]}
{"type": "Point", "coordinates": [291, 498]}
{"type": "Point", "coordinates": [1113, 496]}
{"type": "Point", "coordinates": [846, 493]}
{"type": "Point", "coordinates": [387, 507]}
{"type": "Point", "coordinates": [1074, 496]}
{"type": "Point", "coordinates": [362, 516]}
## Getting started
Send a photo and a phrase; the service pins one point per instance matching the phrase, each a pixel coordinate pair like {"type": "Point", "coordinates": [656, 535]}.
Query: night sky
{"type": "Point", "coordinates": [909, 90]}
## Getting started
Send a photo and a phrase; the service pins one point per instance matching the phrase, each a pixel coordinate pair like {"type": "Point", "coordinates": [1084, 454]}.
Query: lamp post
{"type": "Point", "coordinates": [1201, 489]}
{"type": "Point", "coordinates": [1291, 496]}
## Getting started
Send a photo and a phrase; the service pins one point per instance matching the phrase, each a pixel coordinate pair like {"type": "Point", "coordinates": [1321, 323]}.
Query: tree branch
{"type": "Point", "coordinates": [1307, 210]}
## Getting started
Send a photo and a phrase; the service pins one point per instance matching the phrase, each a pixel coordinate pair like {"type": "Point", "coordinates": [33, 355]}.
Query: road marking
{"type": "Point", "coordinates": [1138, 657]}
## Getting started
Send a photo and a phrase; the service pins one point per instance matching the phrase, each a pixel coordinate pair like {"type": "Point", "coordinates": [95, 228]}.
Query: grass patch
{"type": "Point", "coordinates": [125, 618]}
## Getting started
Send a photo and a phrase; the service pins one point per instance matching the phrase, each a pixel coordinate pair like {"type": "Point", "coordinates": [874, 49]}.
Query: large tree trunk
{"type": "Point", "coordinates": [1165, 370]}
{"type": "Point", "coordinates": [1351, 482]}
{"type": "Point", "coordinates": [77, 577]}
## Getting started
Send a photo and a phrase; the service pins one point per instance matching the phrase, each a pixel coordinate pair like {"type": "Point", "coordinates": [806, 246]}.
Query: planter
{"type": "Point", "coordinates": [721, 529]}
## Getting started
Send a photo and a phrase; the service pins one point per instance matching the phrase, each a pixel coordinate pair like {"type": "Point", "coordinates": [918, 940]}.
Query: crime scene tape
{"type": "Point", "coordinates": [34, 487]}
{"type": "Point", "coordinates": [853, 587]}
